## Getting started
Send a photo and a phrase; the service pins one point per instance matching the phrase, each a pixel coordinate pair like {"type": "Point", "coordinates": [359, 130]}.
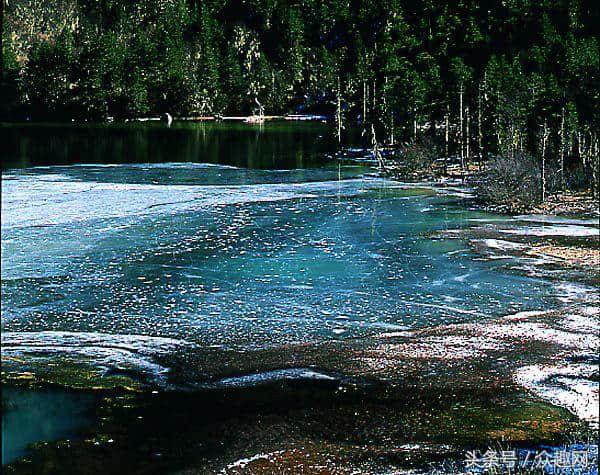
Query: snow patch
{"type": "Point", "coordinates": [571, 230]}
{"type": "Point", "coordinates": [269, 376]}
{"type": "Point", "coordinates": [567, 386]}
{"type": "Point", "coordinates": [241, 463]}
{"type": "Point", "coordinates": [501, 244]}
{"type": "Point", "coordinates": [106, 352]}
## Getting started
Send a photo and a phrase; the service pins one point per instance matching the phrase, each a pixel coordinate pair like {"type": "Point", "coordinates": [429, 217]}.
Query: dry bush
{"type": "Point", "coordinates": [415, 159]}
{"type": "Point", "coordinates": [512, 182]}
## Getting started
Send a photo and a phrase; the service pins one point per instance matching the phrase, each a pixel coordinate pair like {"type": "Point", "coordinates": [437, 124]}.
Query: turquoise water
{"type": "Point", "coordinates": [218, 255]}
{"type": "Point", "coordinates": [108, 256]}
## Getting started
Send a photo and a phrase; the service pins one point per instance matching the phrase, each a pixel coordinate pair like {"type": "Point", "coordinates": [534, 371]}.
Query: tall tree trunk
{"type": "Point", "coordinates": [387, 110]}
{"type": "Point", "coordinates": [590, 157]}
{"type": "Point", "coordinates": [338, 114]}
{"type": "Point", "coordinates": [364, 117]}
{"type": "Point", "coordinates": [545, 135]}
{"type": "Point", "coordinates": [467, 135]}
{"type": "Point", "coordinates": [595, 164]}
{"type": "Point", "coordinates": [374, 100]}
{"type": "Point", "coordinates": [460, 132]}
{"type": "Point", "coordinates": [562, 150]}
{"type": "Point", "coordinates": [447, 136]}
{"type": "Point", "coordinates": [415, 123]}
{"type": "Point", "coordinates": [499, 131]}
{"type": "Point", "coordinates": [479, 131]}
{"type": "Point", "coordinates": [376, 152]}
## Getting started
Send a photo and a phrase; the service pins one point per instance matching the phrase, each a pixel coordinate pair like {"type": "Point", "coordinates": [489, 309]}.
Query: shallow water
{"type": "Point", "coordinates": [217, 255]}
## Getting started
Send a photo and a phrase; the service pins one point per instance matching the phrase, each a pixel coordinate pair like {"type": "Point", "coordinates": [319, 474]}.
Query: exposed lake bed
{"type": "Point", "coordinates": [320, 316]}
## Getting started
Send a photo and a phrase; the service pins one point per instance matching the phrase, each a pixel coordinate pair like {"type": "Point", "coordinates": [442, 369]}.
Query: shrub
{"type": "Point", "coordinates": [414, 159]}
{"type": "Point", "coordinates": [513, 182]}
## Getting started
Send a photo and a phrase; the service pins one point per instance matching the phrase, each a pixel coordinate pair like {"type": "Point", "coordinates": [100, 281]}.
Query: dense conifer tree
{"type": "Point", "coordinates": [496, 72]}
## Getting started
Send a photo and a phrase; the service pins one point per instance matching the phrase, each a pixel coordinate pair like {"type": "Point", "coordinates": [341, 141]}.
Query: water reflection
{"type": "Point", "coordinates": [272, 146]}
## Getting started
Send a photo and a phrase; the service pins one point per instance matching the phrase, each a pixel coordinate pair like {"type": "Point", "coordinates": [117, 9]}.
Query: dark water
{"type": "Point", "coordinates": [43, 414]}
{"type": "Point", "coordinates": [275, 145]}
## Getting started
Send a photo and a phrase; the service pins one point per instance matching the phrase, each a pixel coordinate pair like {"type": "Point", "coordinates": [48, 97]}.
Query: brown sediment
{"type": "Point", "coordinates": [571, 256]}
{"type": "Point", "coordinates": [570, 203]}
{"type": "Point", "coordinates": [396, 400]}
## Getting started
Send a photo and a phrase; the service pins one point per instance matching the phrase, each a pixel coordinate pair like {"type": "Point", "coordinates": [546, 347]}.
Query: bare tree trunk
{"type": "Point", "coordinates": [562, 150]}
{"type": "Point", "coordinates": [376, 152]}
{"type": "Point", "coordinates": [374, 100]}
{"type": "Point", "coordinates": [499, 131]}
{"type": "Point", "coordinates": [590, 158]}
{"type": "Point", "coordinates": [467, 135]}
{"type": "Point", "coordinates": [338, 114]}
{"type": "Point", "coordinates": [364, 117]}
{"type": "Point", "coordinates": [387, 110]}
{"type": "Point", "coordinates": [261, 108]}
{"type": "Point", "coordinates": [545, 135]}
{"type": "Point", "coordinates": [479, 131]}
{"type": "Point", "coordinates": [447, 132]}
{"type": "Point", "coordinates": [499, 137]}
{"type": "Point", "coordinates": [460, 132]}
{"type": "Point", "coordinates": [521, 143]}
{"type": "Point", "coordinates": [415, 123]}
{"type": "Point", "coordinates": [595, 164]}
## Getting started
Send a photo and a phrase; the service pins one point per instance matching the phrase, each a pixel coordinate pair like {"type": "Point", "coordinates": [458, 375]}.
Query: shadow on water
{"type": "Point", "coordinates": [349, 423]}
{"type": "Point", "coordinates": [274, 145]}
{"type": "Point", "coordinates": [49, 414]}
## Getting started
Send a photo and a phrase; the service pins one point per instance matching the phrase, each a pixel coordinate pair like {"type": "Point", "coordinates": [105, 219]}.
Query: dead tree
{"type": "Point", "coordinates": [562, 150]}
{"type": "Point", "coordinates": [467, 135]}
{"type": "Point", "coordinates": [545, 135]}
{"type": "Point", "coordinates": [364, 117]}
{"type": "Point", "coordinates": [338, 112]}
{"type": "Point", "coordinates": [376, 151]}
{"type": "Point", "coordinates": [479, 130]}
{"type": "Point", "coordinates": [460, 132]}
{"type": "Point", "coordinates": [447, 136]}
{"type": "Point", "coordinates": [415, 123]}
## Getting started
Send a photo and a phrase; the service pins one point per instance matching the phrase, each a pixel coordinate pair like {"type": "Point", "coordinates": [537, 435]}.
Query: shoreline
{"type": "Point", "coordinates": [248, 119]}
{"type": "Point", "coordinates": [396, 400]}
{"type": "Point", "coordinates": [567, 204]}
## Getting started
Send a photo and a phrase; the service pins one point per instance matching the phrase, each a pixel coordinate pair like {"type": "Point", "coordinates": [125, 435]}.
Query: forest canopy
{"type": "Point", "coordinates": [508, 76]}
